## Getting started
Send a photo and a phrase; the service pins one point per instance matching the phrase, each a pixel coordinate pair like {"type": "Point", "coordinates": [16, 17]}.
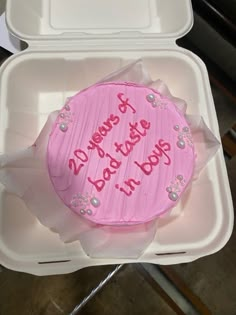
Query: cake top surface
{"type": "Point", "coordinates": [120, 153]}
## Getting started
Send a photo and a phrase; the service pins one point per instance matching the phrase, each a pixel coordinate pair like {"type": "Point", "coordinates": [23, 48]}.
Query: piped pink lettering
{"type": "Point", "coordinates": [113, 162]}
{"type": "Point", "coordinates": [135, 136]}
{"type": "Point", "coordinates": [107, 173]}
{"type": "Point", "coordinates": [94, 146]}
{"type": "Point", "coordinates": [154, 158]}
{"type": "Point", "coordinates": [124, 104]}
{"type": "Point", "coordinates": [131, 183]}
{"type": "Point", "coordinates": [146, 167]}
{"type": "Point", "coordinates": [98, 184]}
{"type": "Point", "coordinates": [128, 193]}
{"type": "Point", "coordinates": [74, 167]}
{"type": "Point", "coordinates": [81, 155]}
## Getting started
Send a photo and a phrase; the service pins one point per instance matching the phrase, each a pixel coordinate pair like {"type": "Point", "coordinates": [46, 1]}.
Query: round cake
{"type": "Point", "coordinates": [120, 153]}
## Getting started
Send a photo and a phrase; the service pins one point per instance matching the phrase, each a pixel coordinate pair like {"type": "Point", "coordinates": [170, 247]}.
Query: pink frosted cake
{"type": "Point", "coordinates": [120, 153]}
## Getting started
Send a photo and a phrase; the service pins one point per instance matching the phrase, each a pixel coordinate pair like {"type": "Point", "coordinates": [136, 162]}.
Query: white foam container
{"type": "Point", "coordinates": [73, 44]}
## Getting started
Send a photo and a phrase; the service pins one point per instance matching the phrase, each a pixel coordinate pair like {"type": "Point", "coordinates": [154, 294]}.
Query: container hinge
{"type": "Point", "coordinates": [98, 45]}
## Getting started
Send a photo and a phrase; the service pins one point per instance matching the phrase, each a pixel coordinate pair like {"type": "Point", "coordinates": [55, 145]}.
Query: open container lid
{"type": "Point", "coordinates": [76, 19]}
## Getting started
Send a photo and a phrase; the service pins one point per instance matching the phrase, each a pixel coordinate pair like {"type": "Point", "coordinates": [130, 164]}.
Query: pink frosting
{"type": "Point", "coordinates": [120, 153]}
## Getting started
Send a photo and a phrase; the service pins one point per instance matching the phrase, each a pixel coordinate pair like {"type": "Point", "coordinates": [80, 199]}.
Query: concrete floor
{"type": "Point", "coordinates": [212, 278]}
{"type": "Point", "coordinates": [128, 293]}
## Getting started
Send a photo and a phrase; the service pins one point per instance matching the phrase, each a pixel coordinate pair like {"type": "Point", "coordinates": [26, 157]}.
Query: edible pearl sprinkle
{"type": "Point", "coordinates": [82, 211]}
{"type": "Point", "coordinates": [89, 212]}
{"type": "Point", "coordinates": [62, 115]}
{"type": "Point", "coordinates": [150, 98]}
{"type": "Point", "coordinates": [180, 177]}
{"type": "Point", "coordinates": [180, 137]}
{"type": "Point", "coordinates": [74, 203]}
{"type": "Point", "coordinates": [181, 144]}
{"type": "Point", "coordinates": [154, 104]}
{"type": "Point", "coordinates": [176, 127]}
{"type": "Point", "coordinates": [95, 202]}
{"type": "Point", "coordinates": [173, 196]}
{"type": "Point", "coordinates": [63, 127]}
{"type": "Point", "coordinates": [67, 107]}
{"type": "Point", "coordinates": [169, 189]}
{"type": "Point", "coordinates": [185, 129]}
